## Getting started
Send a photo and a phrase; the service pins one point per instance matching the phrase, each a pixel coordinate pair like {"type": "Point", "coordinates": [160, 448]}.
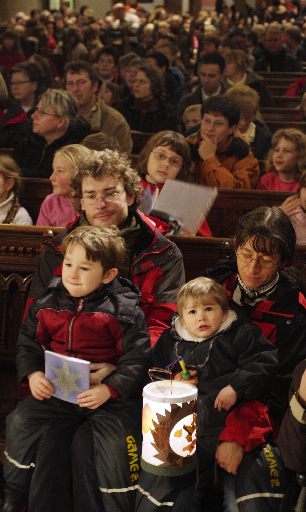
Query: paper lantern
{"type": "Point", "coordinates": [169, 428]}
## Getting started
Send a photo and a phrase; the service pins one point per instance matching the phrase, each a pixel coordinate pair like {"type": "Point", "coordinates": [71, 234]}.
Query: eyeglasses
{"type": "Point", "coordinates": [162, 157]}
{"type": "Point", "coordinates": [39, 112]}
{"type": "Point", "coordinates": [141, 81]}
{"type": "Point", "coordinates": [78, 83]}
{"type": "Point", "coordinates": [264, 261]}
{"type": "Point", "coordinates": [20, 82]}
{"type": "Point", "coordinates": [215, 124]}
{"type": "Point", "coordinates": [108, 196]}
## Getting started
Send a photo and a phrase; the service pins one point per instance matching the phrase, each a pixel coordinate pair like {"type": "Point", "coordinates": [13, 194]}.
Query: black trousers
{"type": "Point", "coordinates": [70, 451]}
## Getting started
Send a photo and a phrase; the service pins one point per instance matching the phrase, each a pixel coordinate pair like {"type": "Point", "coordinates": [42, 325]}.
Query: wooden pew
{"type": "Point", "coordinates": [32, 193]}
{"type": "Point", "coordinates": [277, 125]}
{"type": "Point", "coordinates": [20, 250]}
{"type": "Point", "coordinates": [139, 140]}
{"type": "Point", "coordinates": [279, 114]}
{"type": "Point", "coordinates": [230, 205]}
{"type": "Point", "coordinates": [287, 101]}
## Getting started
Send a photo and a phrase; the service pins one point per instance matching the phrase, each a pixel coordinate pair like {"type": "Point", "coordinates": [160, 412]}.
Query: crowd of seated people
{"type": "Point", "coordinates": [73, 90]}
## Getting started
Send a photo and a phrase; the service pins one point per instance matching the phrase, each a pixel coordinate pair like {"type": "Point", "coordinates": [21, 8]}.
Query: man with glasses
{"type": "Point", "coordinates": [222, 158]}
{"type": "Point", "coordinates": [109, 190]}
{"type": "Point", "coordinates": [83, 83]}
{"type": "Point", "coordinates": [55, 123]}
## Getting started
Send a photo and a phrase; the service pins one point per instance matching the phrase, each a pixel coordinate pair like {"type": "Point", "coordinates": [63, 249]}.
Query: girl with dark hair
{"type": "Point", "coordinates": [147, 110]}
{"type": "Point", "coordinates": [166, 156]}
{"type": "Point", "coordinates": [11, 51]}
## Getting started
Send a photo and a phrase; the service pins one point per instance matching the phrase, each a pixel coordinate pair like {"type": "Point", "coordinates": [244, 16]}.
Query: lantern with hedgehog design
{"type": "Point", "coordinates": [169, 428]}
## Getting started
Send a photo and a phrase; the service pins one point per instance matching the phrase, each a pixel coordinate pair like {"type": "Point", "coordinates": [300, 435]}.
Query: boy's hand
{"type": "Point", "coordinates": [226, 398]}
{"type": "Point", "coordinates": [94, 397]}
{"type": "Point", "coordinates": [193, 380]}
{"type": "Point", "coordinates": [229, 456]}
{"type": "Point", "coordinates": [207, 148]}
{"type": "Point", "coordinates": [98, 372]}
{"type": "Point", "coordinates": [40, 387]}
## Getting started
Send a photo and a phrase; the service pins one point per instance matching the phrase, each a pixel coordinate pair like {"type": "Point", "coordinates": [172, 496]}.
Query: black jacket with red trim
{"type": "Point", "coordinates": [239, 356]}
{"type": "Point", "coordinates": [157, 270]}
{"type": "Point", "coordinates": [282, 319]}
{"type": "Point", "coordinates": [106, 326]}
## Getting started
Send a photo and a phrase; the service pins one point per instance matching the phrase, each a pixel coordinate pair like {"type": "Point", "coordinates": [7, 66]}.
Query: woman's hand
{"type": "Point", "coordinates": [94, 397]}
{"type": "Point", "coordinates": [40, 387]}
{"type": "Point", "coordinates": [229, 456]}
{"type": "Point", "coordinates": [99, 371]}
{"type": "Point", "coordinates": [290, 205]}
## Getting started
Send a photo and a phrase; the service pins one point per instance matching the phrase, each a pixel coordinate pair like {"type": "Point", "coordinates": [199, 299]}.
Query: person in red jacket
{"type": "Point", "coordinates": [88, 314]}
{"type": "Point", "coordinates": [109, 191]}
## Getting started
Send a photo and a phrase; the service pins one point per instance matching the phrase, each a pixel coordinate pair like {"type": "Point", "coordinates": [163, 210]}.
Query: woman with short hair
{"type": "Point", "coordinates": [55, 123]}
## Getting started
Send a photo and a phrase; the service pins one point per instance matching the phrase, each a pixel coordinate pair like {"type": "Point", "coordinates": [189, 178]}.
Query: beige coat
{"type": "Point", "coordinates": [108, 120]}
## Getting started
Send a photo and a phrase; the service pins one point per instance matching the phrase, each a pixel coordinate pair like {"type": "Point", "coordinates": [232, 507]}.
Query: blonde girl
{"type": "Point", "coordinates": [10, 210]}
{"type": "Point", "coordinates": [60, 207]}
{"type": "Point", "coordinates": [286, 161]}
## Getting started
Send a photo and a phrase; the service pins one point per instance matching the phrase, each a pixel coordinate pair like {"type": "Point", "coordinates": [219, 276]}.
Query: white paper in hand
{"type": "Point", "coordinates": [186, 202]}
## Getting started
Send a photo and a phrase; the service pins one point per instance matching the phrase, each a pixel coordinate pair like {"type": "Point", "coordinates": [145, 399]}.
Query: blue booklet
{"type": "Point", "coordinates": [69, 375]}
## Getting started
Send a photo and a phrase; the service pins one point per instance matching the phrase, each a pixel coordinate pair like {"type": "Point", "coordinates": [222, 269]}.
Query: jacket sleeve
{"type": "Point", "coordinates": [30, 354]}
{"type": "Point", "coordinates": [248, 425]}
{"type": "Point", "coordinates": [123, 135]}
{"type": "Point", "coordinates": [257, 362]}
{"type": "Point", "coordinates": [292, 434]}
{"type": "Point", "coordinates": [132, 366]}
{"type": "Point", "coordinates": [167, 281]}
{"type": "Point", "coordinates": [243, 174]}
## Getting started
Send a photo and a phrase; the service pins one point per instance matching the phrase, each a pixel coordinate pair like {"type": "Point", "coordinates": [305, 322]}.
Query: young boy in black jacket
{"type": "Point", "coordinates": [89, 314]}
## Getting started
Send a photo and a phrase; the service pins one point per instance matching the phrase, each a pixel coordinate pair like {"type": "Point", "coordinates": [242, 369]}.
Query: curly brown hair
{"type": "Point", "coordinates": [108, 163]}
{"type": "Point", "coordinates": [295, 136]}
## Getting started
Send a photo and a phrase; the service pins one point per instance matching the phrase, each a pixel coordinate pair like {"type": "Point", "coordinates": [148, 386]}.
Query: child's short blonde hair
{"type": "Point", "coordinates": [192, 109]}
{"type": "Point", "coordinates": [202, 290]}
{"type": "Point", "coordinates": [74, 153]}
{"type": "Point", "coordinates": [293, 135]}
{"type": "Point", "coordinates": [100, 244]}
{"type": "Point", "coordinates": [10, 170]}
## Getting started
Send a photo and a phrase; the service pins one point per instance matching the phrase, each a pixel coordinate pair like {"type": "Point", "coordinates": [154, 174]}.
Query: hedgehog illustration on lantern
{"type": "Point", "coordinates": [169, 428]}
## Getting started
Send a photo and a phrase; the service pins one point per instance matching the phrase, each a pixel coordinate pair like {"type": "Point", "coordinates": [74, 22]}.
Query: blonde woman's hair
{"type": "Point", "coordinates": [10, 170]}
{"type": "Point", "coordinates": [298, 138]}
{"type": "Point", "coordinates": [202, 290]}
{"type": "Point", "coordinates": [246, 98]}
{"type": "Point", "coordinates": [238, 57]}
{"type": "Point", "coordinates": [61, 103]}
